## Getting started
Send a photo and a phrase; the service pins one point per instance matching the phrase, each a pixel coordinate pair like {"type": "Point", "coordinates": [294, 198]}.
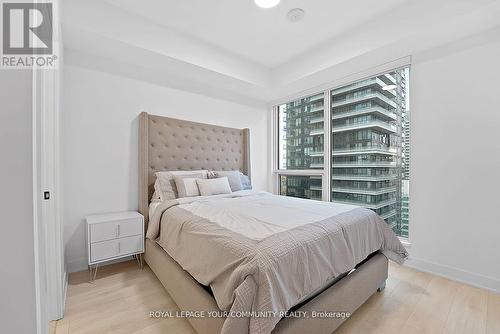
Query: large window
{"type": "Point", "coordinates": [367, 138]}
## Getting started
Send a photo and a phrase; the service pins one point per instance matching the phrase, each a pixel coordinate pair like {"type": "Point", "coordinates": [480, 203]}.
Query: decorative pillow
{"type": "Point", "coordinates": [233, 177]}
{"type": "Point", "coordinates": [216, 186]}
{"type": "Point", "coordinates": [165, 184]}
{"type": "Point", "coordinates": [245, 182]}
{"type": "Point", "coordinates": [186, 186]}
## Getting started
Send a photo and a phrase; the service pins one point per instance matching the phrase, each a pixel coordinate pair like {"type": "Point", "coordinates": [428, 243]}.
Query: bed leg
{"type": "Point", "coordinates": [381, 287]}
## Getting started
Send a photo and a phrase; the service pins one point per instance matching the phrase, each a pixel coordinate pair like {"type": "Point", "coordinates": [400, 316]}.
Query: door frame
{"type": "Point", "coordinates": [50, 271]}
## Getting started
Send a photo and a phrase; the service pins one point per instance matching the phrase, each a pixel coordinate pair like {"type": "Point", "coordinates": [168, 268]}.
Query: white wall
{"type": "Point", "coordinates": [100, 121]}
{"type": "Point", "coordinates": [455, 160]}
{"type": "Point", "coordinates": [17, 269]}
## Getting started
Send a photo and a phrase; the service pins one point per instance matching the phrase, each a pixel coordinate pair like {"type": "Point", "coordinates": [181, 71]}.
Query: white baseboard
{"type": "Point", "coordinates": [77, 265]}
{"type": "Point", "coordinates": [81, 264]}
{"type": "Point", "coordinates": [455, 274]}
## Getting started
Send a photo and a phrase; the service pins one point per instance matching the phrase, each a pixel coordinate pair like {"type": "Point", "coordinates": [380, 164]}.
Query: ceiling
{"type": "Point", "coordinates": [233, 50]}
{"type": "Point", "coordinates": [264, 36]}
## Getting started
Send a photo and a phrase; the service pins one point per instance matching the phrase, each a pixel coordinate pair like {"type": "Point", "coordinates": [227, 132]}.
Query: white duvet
{"type": "Point", "coordinates": [260, 216]}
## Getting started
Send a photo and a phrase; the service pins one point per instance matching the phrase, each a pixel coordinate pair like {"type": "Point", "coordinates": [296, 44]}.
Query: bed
{"type": "Point", "coordinates": [258, 271]}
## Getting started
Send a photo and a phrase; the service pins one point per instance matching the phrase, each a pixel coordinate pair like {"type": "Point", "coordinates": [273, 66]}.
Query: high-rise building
{"type": "Point", "coordinates": [369, 146]}
{"type": "Point", "coordinates": [302, 140]}
{"type": "Point", "coordinates": [367, 142]}
{"type": "Point", "coordinates": [405, 208]}
{"type": "Point", "coordinates": [406, 147]}
{"type": "Point", "coordinates": [301, 186]}
{"type": "Point", "coordinates": [303, 133]}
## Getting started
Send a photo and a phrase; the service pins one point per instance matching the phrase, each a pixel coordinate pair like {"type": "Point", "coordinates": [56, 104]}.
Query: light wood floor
{"type": "Point", "coordinates": [120, 300]}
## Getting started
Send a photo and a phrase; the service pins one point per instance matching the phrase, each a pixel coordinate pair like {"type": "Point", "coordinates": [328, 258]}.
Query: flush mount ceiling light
{"type": "Point", "coordinates": [267, 3]}
{"type": "Point", "coordinates": [389, 87]}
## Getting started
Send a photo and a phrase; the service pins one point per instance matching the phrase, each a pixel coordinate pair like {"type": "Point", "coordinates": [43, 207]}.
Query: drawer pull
{"type": "Point", "coordinates": [119, 248]}
{"type": "Point", "coordinates": [118, 230]}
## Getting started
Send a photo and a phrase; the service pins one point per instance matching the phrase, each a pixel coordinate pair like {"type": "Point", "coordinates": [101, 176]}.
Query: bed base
{"type": "Point", "coordinates": [346, 295]}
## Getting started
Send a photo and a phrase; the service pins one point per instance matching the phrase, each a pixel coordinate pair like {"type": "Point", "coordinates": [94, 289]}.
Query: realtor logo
{"type": "Point", "coordinates": [27, 35]}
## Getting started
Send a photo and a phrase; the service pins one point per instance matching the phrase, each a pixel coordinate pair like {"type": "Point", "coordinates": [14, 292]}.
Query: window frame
{"type": "Point", "coordinates": [277, 172]}
{"type": "Point", "coordinates": [327, 89]}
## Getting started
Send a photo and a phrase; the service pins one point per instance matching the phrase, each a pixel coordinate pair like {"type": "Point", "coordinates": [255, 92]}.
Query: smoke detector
{"type": "Point", "coordinates": [296, 14]}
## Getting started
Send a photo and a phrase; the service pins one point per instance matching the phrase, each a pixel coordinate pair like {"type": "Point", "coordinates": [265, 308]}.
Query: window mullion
{"type": "Point", "coordinates": [327, 155]}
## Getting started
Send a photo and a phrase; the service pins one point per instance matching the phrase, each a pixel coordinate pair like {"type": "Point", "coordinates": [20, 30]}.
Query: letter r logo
{"type": "Point", "coordinates": [27, 28]}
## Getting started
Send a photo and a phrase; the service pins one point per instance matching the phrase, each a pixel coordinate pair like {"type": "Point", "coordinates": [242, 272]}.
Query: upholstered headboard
{"type": "Point", "coordinates": [174, 144]}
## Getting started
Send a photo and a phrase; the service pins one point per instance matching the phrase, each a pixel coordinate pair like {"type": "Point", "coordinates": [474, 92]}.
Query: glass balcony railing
{"type": "Point", "coordinates": [365, 164]}
{"type": "Point", "coordinates": [372, 206]}
{"type": "Point", "coordinates": [374, 82]}
{"type": "Point", "coordinates": [316, 120]}
{"type": "Point", "coordinates": [315, 97]}
{"type": "Point", "coordinates": [315, 132]}
{"type": "Point", "coordinates": [316, 153]}
{"type": "Point", "coordinates": [366, 124]}
{"type": "Point", "coordinates": [353, 177]}
{"type": "Point", "coordinates": [364, 111]}
{"type": "Point", "coordinates": [369, 148]}
{"type": "Point", "coordinates": [362, 97]}
{"type": "Point", "coordinates": [316, 108]}
{"type": "Point", "coordinates": [364, 191]}
{"type": "Point", "coordinates": [316, 165]}
{"type": "Point", "coordinates": [388, 214]}
{"type": "Point", "coordinates": [390, 77]}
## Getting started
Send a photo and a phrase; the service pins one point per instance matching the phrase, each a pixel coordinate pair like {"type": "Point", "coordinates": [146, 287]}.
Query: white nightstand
{"type": "Point", "coordinates": [113, 236]}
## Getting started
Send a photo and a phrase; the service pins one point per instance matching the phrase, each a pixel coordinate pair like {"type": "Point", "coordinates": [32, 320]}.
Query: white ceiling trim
{"type": "Point", "coordinates": [161, 55]}
{"type": "Point", "coordinates": [117, 24]}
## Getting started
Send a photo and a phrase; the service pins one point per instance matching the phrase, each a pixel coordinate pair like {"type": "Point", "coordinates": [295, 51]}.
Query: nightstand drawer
{"type": "Point", "coordinates": [117, 229]}
{"type": "Point", "coordinates": [113, 248]}
{"type": "Point", "coordinates": [129, 228]}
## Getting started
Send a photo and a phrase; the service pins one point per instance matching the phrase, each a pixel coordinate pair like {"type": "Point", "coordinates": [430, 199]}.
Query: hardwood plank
{"type": "Point", "coordinates": [432, 310]}
{"type": "Point", "coordinates": [120, 300]}
{"type": "Point", "coordinates": [62, 326]}
{"type": "Point", "coordinates": [493, 314]}
{"type": "Point", "coordinates": [468, 311]}
{"type": "Point", "coordinates": [52, 327]}
{"type": "Point", "coordinates": [389, 313]}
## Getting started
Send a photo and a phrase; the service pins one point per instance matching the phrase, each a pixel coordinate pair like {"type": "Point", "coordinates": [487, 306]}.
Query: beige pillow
{"type": "Point", "coordinates": [209, 187]}
{"type": "Point", "coordinates": [165, 184]}
{"type": "Point", "coordinates": [186, 186]}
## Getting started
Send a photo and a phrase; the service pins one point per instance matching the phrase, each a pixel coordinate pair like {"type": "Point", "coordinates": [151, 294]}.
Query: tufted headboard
{"type": "Point", "coordinates": [174, 144]}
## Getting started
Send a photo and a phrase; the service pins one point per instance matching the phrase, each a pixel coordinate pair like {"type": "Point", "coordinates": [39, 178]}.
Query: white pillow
{"type": "Point", "coordinates": [186, 186]}
{"type": "Point", "coordinates": [217, 186]}
{"type": "Point", "coordinates": [165, 184]}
